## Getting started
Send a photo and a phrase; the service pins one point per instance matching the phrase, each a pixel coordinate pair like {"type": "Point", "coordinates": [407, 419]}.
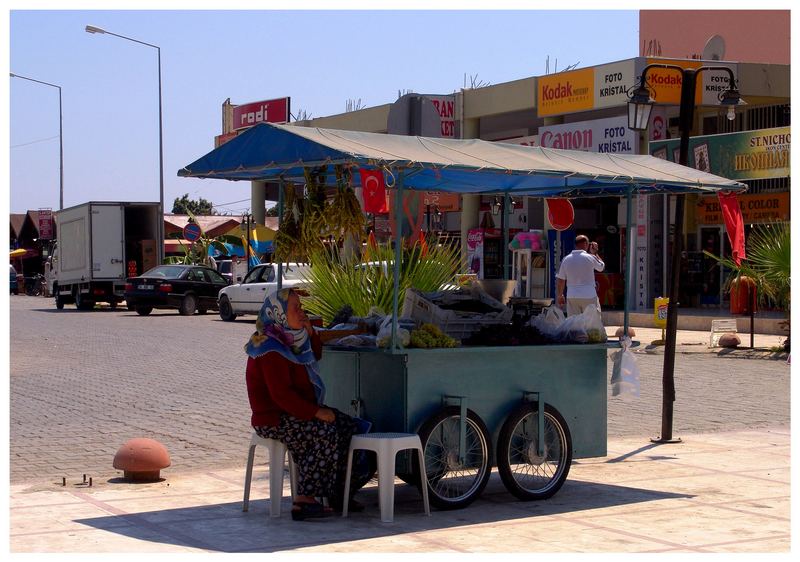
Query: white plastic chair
{"type": "Point", "coordinates": [386, 445]}
{"type": "Point", "coordinates": [277, 454]}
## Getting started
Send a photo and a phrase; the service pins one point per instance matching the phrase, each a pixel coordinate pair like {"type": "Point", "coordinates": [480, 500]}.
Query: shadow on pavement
{"type": "Point", "coordinates": [225, 528]}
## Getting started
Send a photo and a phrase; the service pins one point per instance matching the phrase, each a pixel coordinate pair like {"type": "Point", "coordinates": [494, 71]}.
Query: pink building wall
{"type": "Point", "coordinates": [750, 35]}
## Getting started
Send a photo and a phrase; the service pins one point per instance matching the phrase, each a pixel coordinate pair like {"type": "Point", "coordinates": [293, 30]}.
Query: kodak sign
{"type": "Point", "coordinates": [565, 92]}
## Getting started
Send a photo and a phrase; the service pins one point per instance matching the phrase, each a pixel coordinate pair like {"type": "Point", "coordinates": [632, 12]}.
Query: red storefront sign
{"type": "Point", "coordinates": [45, 224]}
{"type": "Point", "coordinates": [268, 111]}
{"type": "Point", "coordinates": [219, 140]}
{"type": "Point", "coordinates": [443, 201]}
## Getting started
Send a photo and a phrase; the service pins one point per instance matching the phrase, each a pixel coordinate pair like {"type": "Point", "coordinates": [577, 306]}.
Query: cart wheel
{"type": "Point", "coordinates": [453, 484]}
{"type": "Point", "coordinates": [525, 473]}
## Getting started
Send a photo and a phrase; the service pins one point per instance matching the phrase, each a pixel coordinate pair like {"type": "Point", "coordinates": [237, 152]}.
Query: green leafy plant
{"type": "Point", "coordinates": [336, 280]}
{"type": "Point", "coordinates": [768, 263]}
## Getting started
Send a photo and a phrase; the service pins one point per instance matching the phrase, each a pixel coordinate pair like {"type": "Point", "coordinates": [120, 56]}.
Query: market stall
{"type": "Point", "coordinates": [528, 409]}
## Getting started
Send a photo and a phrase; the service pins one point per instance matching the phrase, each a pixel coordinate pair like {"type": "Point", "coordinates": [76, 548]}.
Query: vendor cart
{"type": "Point", "coordinates": [529, 410]}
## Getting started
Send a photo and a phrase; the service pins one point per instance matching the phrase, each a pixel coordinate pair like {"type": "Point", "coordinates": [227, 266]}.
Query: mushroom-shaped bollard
{"type": "Point", "coordinates": [142, 459]}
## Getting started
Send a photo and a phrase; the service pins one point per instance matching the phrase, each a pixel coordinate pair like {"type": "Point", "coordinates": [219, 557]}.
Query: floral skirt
{"type": "Point", "coordinates": [319, 451]}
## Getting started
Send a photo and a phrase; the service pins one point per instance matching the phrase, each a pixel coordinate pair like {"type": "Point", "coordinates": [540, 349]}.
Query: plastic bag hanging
{"type": "Point", "coordinates": [625, 373]}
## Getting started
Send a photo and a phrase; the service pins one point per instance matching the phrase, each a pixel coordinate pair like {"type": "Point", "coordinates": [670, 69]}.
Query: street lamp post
{"type": "Point", "coordinates": [638, 117]}
{"type": "Point", "coordinates": [60, 137]}
{"type": "Point", "coordinates": [160, 244]}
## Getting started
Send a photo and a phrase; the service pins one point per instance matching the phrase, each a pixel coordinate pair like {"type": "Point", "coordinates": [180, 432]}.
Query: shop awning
{"type": "Point", "coordinates": [269, 152]}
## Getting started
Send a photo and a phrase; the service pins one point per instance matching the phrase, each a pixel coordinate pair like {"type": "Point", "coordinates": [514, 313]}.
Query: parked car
{"type": "Point", "coordinates": [13, 281]}
{"type": "Point", "coordinates": [248, 296]}
{"type": "Point", "coordinates": [185, 287]}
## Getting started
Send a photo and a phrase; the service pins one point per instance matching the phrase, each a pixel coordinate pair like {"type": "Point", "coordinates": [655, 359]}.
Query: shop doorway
{"type": "Point", "coordinates": [713, 275]}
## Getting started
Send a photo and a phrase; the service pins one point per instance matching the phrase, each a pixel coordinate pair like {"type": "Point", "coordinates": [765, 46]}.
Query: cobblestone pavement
{"type": "Point", "coordinates": [82, 383]}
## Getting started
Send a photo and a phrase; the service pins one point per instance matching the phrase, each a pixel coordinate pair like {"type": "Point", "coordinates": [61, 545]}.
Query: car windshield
{"type": "Point", "coordinates": [166, 271]}
{"type": "Point", "coordinates": [224, 266]}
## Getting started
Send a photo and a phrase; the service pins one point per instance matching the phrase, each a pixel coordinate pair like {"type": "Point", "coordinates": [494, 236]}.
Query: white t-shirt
{"type": "Point", "coordinates": [578, 270]}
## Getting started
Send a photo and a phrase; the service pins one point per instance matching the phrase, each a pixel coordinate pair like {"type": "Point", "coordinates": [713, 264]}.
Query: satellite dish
{"type": "Point", "coordinates": [715, 48]}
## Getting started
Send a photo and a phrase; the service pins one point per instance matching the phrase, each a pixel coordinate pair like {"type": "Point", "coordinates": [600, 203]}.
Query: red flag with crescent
{"type": "Point", "coordinates": [734, 224]}
{"type": "Point", "coordinates": [374, 190]}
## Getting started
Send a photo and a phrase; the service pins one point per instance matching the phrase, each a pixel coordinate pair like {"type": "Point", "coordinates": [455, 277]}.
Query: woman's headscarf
{"type": "Point", "coordinates": [273, 334]}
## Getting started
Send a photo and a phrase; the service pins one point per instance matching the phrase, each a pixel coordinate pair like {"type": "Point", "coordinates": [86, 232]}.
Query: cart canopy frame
{"type": "Point", "coordinates": [282, 152]}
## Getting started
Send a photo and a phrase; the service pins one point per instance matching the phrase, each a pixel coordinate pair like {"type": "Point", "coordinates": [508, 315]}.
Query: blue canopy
{"type": "Point", "coordinates": [269, 152]}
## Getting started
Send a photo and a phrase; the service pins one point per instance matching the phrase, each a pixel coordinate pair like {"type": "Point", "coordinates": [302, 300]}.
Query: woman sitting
{"type": "Point", "coordinates": [287, 399]}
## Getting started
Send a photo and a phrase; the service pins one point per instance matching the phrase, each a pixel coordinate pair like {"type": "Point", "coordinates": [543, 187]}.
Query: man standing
{"type": "Point", "coordinates": [576, 274]}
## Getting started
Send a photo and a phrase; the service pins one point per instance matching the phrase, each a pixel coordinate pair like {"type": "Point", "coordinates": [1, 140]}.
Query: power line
{"type": "Point", "coordinates": [34, 142]}
{"type": "Point", "coordinates": [231, 202]}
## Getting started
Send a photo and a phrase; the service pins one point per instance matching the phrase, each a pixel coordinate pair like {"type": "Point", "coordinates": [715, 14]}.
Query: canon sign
{"type": "Point", "coordinates": [601, 135]}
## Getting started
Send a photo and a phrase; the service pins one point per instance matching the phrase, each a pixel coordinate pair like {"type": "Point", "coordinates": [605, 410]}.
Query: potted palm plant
{"type": "Point", "coordinates": [768, 266]}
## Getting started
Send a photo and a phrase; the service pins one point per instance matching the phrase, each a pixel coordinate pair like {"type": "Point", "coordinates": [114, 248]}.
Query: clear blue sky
{"type": "Point", "coordinates": [319, 59]}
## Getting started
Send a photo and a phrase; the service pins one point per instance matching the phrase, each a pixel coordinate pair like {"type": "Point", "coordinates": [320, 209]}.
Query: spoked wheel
{"type": "Point", "coordinates": [525, 473]}
{"type": "Point", "coordinates": [454, 483]}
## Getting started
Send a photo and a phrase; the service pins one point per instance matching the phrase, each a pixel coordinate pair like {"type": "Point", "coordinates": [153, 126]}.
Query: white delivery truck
{"type": "Point", "coordinates": [99, 245]}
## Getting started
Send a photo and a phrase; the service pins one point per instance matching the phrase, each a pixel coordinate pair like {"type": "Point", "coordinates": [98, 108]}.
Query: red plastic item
{"type": "Point", "coordinates": [560, 213]}
{"type": "Point", "coordinates": [740, 288]}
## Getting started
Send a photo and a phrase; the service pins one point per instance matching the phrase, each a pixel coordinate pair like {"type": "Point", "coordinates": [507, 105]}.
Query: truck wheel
{"type": "Point", "coordinates": [144, 310]}
{"type": "Point", "coordinates": [188, 305]}
{"type": "Point", "coordinates": [59, 299]}
{"type": "Point", "coordinates": [81, 302]}
{"type": "Point", "coordinates": [226, 310]}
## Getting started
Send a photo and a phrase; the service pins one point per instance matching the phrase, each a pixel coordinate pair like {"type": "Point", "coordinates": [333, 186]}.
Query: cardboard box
{"type": "Point", "coordinates": [149, 256]}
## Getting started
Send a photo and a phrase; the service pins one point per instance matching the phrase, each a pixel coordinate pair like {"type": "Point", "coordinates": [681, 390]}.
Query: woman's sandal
{"type": "Point", "coordinates": [306, 510]}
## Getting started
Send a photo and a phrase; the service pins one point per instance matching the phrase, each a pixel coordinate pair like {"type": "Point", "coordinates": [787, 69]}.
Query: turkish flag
{"type": "Point", "coordinates": [374, 190]}
{"type": "Point", "coordinates": [734, 224]}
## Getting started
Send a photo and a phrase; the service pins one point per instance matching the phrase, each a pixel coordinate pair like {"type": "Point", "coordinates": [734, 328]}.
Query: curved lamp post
{"type": "Point", "coordinates": [160, 244]}
{"type": "Point", "coordinates": [60, 137]}
{"type": "Point", "coordinates": [639, 109]}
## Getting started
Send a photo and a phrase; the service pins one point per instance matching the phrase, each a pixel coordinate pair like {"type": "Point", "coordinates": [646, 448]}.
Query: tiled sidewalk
{"type": "Point", "coordinates": [718, 492]}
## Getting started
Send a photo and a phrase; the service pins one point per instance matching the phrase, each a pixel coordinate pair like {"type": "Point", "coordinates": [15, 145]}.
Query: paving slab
{"type": "Point", "coordinates": [700, 495]}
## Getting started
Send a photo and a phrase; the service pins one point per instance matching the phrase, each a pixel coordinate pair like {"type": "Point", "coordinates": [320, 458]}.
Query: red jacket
{"type": "Point", "coordinates": [276, 386]}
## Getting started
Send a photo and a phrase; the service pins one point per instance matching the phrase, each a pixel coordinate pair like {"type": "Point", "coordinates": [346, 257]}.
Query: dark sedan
{"type": "Point", "coordinates": [185, 287]}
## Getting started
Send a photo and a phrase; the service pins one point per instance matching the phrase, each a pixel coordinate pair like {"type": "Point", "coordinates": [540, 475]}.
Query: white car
{"type": "Point", "coordinates": [248, 296]}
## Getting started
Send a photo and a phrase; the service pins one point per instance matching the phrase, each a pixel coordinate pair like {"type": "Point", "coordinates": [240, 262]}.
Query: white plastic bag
{"type": "Point", "coordinates": [549, 321]}
{"type": "Point", "coordinates": [384, 338]}
{"type": "Point", "coordinates": [593, 321]}
{"type": "Point", "coordinates": [625, 373]}
{"type": "Point", "coordinates": [573, 330]}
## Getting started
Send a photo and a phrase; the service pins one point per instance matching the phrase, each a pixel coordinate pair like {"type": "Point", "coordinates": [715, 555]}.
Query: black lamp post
{"type": "Point", "coordinates": [60, 137]}
{"type": "Point", "coordinates": [245, 225]}
{"type": "Point", "coordinates": [639, 109]}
